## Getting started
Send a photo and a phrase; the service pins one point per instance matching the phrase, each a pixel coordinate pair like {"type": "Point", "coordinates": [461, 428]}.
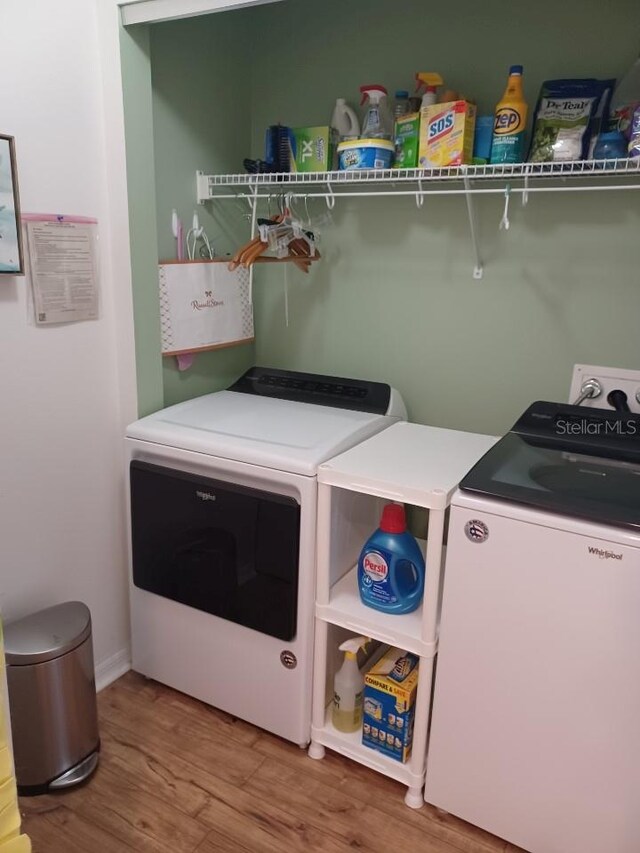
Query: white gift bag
{"type": "Point", "coordinates": [203, 306]}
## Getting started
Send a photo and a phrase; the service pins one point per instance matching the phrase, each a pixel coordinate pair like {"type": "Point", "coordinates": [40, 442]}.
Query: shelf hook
{"type": "Point", "coordinates": [330, 199]}
{"type": "Point", "coordinates": [504, 222]}
{"type": "Point", "coordinates": [420, 196]}
{"type": "Point", "coordinates": [525, 192]}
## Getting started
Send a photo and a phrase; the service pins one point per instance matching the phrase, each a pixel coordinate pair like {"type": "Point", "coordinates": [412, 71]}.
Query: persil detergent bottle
{"type": "Point", "coordinates": [510, 121]}
{"type": "Point", "coordinates": [391, 567]}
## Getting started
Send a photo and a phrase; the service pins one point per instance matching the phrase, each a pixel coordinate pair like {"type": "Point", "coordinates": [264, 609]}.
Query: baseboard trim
{"type": "Point", "coordinates": [112, 668]}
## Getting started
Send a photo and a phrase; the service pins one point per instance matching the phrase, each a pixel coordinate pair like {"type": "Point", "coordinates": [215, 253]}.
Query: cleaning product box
{"type": "Point", "coordinates": [390, 688]}
{"type": "Point", "coordinates": [446, 134]}
{"type": "Point", "coordinates": [407, 141]}
{"type": "Point", "coordinates": [313, 149]}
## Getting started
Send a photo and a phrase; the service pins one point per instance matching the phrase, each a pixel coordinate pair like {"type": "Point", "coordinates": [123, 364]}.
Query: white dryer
{"type": "Point", "coordinates": [223, 532]}
{"type": "Point", "coordinates": [535, 731]}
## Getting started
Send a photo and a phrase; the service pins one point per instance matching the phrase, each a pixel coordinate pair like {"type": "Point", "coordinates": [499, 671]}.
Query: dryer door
{"type": "Point", "coordinates": [221, 548]}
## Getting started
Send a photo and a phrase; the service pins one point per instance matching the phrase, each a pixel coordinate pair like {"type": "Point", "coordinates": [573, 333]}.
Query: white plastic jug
{"type": "Point", "coordinates": [345, 121]}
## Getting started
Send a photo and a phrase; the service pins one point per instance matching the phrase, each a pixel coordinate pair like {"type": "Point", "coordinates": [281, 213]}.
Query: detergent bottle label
{"type": "Point", "coordinates": [510, 121]}
{"type": "Point", "coordinates": [375, 577]}
{"type": "Point", "coordinates": [372, 121]}
{"type": "Point", "coordinates": [508, 135]}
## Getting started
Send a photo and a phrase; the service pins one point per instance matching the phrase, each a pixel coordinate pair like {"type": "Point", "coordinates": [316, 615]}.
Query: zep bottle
{"type": "Point", "coordinates": [391, 567]}
{"type": "Point", "coordinates": [510, 121]}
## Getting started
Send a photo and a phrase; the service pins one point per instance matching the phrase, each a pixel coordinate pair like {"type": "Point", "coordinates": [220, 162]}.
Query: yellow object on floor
{"type": "Point", "coordinates": [9, 821]}
{"type": "Point", "coordinates": [6, 764]}
{"type": "Point", "coordinates": [18, 844]}
{"type": "Point", "coordinates": [8, 795]}
{"type": "Point", "coordinates": [10, 839]}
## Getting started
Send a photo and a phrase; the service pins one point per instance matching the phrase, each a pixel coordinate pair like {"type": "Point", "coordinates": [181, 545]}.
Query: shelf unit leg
{"type": "Point", "coordinates": [435, 540]}
{"type": "Point", "coordinates": [316, 750]}
{"type": "Point", "coordinates": [413, 798]}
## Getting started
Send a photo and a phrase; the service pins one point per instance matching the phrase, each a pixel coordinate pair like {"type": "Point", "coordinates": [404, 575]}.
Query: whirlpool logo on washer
{"type": "Point", "coordinates": [206, 496]}
{"type": "Point", "coordinates": [476, 530]}
{"type": "Point", "coordinates": [602, 554]}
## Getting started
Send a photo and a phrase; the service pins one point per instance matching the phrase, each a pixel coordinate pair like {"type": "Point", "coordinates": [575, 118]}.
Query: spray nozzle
{"type": "Point", "coordinates": [428, 80]}
{"type": "Point", "coordinates": [352, 647]}
{"type": "Point", "coordinates": [373, 93]}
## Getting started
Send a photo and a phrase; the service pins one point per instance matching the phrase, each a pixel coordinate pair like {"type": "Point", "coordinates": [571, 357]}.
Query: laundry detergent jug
{"type": "Point", "coordinates": [391, 567]}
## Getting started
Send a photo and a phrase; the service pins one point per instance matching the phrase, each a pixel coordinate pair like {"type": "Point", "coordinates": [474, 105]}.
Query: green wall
{"type": "Point", "coordinates": [393, 297]}
{"type": "Point", "coordinates": [141, 179]}
{"type": "Point", "coordinates": [201, 78]}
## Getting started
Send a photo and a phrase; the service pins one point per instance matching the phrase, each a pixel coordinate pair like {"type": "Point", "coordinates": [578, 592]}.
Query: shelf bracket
{"type": "Point", "coordinates": [203, 190]}
{"type": "Point", "coordinates": [478, 270]}
{"type": "Point", "coordinates": [330, 198]}
{"type": "Point", "coordinates": [253, 204]}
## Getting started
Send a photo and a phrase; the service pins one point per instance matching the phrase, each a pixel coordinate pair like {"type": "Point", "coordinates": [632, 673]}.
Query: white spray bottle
{"type": "Point", "coordinates": [378, 121]}
{"type": "Point", "coordinates": [348, 688]}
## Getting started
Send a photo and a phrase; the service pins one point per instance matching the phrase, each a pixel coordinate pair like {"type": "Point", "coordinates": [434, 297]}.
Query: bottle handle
{"type": "Point", "coordinates": [411, 596]}
{"type": "Point", "coordinates": [354, 129]}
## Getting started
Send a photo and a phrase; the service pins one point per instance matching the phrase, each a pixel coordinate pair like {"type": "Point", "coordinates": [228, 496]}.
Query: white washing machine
{"type": "Point", "coordinates": [536, 721]}
{"type": "Point", "coordinates": [223, 536]}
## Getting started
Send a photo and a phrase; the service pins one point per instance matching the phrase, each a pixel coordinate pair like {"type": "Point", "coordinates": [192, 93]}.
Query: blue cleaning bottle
{"type": "Point", "coordinates": [391, 567]}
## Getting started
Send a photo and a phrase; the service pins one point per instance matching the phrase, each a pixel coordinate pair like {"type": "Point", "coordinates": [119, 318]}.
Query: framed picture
{"type": "Point", "coordinates": [11, 254]}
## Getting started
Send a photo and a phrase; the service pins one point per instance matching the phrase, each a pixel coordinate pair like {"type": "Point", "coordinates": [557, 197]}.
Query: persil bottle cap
{"type": "Point", "coordinates": [393, 519]}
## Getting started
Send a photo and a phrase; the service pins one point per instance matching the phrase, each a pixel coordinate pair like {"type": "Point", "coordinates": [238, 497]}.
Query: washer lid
{"type": "Point", "coordinates": [570, 460]}
{"type": "Point", "coordinates": [48, 634]}
{"type": "Point", "coordinates": [273, 433]}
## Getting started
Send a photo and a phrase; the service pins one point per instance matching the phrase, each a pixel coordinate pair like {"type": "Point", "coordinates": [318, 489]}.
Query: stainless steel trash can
{"type": "Point", "coordinates": [52, 698]}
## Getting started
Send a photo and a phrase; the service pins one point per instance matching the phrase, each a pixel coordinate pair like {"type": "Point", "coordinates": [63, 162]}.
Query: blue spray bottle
{"type": "Point", "coordinates": [391, 567]}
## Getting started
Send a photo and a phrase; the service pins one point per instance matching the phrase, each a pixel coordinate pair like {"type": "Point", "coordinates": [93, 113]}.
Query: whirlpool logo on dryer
{"type": "Point", "coordinates": [604, 555]}
{"type": "Point", "coordinates": [206, 496]}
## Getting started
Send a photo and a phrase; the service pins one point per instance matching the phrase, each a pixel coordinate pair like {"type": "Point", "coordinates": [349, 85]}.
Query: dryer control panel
{"type": "Point", "coordinates": [354, 394]}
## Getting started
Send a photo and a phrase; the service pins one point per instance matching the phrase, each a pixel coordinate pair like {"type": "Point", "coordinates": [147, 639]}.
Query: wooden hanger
{"type": "Point", "coordinates": [253, 252]}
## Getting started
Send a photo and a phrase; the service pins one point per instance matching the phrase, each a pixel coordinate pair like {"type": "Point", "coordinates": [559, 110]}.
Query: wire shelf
{"type": "Point", "coordinates": [592, 169]}
{"type": "Point", "coordinates": [520, 179]}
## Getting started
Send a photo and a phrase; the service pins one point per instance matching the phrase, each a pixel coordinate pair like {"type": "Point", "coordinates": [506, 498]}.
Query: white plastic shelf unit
{"type": "Point", "coordinates": [407, 463]}
{"type": "Point", "coordinates": [469, 181]}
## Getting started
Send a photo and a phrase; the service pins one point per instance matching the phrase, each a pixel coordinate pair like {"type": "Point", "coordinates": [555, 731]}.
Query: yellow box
{"type": "Point", "coordinates": [446, 134]}
{"type": "Point", "coordinates": [390, 688]}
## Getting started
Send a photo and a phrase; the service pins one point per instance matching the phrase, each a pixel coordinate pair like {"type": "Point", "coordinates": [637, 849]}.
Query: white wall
{"type": "Point", "coordinates": [66, 392]}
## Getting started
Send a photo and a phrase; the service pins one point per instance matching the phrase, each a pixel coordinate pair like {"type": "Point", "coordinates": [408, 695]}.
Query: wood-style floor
{"type": "Point", "coordinates": [176, 776]}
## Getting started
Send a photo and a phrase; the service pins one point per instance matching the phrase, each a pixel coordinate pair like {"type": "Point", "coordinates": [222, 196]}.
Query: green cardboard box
{"type": "Point", "coordinates": [407, 141]}
{"type": "Point", "coordinates": [313, 149]}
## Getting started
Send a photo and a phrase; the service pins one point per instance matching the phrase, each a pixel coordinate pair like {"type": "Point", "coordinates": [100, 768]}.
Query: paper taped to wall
{"type": "Point", "coordinates": [63, 269]}
{"type": "Point", "coordinates": [203, 306]}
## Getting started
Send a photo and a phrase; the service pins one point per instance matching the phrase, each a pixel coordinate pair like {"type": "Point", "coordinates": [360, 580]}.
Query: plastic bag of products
{"type": "Point", "coordinates": [634, 143]}
{"type": "Point", "coordinates": [567, 119]}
